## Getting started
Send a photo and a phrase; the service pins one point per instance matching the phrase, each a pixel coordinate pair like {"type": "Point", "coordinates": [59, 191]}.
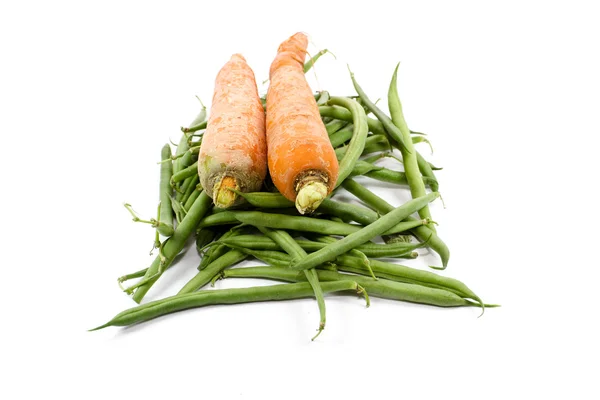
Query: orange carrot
{"type": "Point", "coordinates": [233, 153]}
{"type": "Point", "coordinates": [302, 162]}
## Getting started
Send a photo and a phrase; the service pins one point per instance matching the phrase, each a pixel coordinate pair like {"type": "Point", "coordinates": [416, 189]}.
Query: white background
{"type": "Point", "coordinates": [509, 95]}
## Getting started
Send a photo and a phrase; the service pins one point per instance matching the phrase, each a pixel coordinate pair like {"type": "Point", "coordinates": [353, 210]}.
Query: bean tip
{"type": "Point", "coordinates": [99, 327]}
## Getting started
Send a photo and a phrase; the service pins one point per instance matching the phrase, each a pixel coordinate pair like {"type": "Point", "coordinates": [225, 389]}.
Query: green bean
{"type": "Point", "coordinates": [289, 245]}
{"type": "Point", "coordinates": [309, 64]}
{"type": "Point", "coordinates": [383, 207]}
{"type": "Point", "coordinates": [355, 254]}
{"type": "Point", "coordinates": [427, 172]}
{"type": "Point", "coordinates": [192, 198]}
{"type": "Point", "coordinates": [360, 214]}
{"type": "Point", "coordinates": [266, 199]}
{"type": "Point", "coordinates": [372, 143]}
{"type": "Point", "coordinates": [342, 136]}
{"type": "Point", "coordinates": [298, 223]}
{"type": "Point", "coordinates": [363, 167]}
{"type": "Point", "coordinates": [165, 216]}
{"type": "Point", "coordinates": [367, 233]}
{"type": "Point", "coordinates": [176, 303]}
{"type": "Point", "coordinates": [217, 251]}
{"type": "Point", "coordinates": [379, 288]}
{"type": "Point", "coordinates": [398, 177]}
{"type": "Point", "coordinates": [411, 167]}
{"type": "Point", "coordinates": [195, 128]}
{"type": "Point", "coordinates": [172, 246]}
{"type": "Point", "coordinates": [213, 269]}
{"type": "Point", "coordinates": [394, 133]}
{"type": "Point", "coordinates": [357, 143]}
{"type": "Point", "coordinates": [376, 147]}
{"type": "Point", "coordinates": [411, 275]}
{"type": "Point", "coordinates": [190, 188]}
{"type": "Point", "coordinates": [340, 113]}
{"type": "Point", "coordinates": [334, 126]}
{"type": "Point", "coordinates": [187, 172]}
{"type": "Point", "coordinates": [371, 250]}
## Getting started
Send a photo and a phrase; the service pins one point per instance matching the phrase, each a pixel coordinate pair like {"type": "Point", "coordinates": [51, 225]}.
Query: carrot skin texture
{"type": "Point", "coordinates": [233, 147]}
{"type": "Point", "coordinates": [297, 140]}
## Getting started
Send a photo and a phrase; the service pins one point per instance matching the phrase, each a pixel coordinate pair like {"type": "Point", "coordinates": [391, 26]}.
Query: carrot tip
{"type": "Point", "coordinates": [310, 196]}
{"type": "Point", "coordinates": [222, 195]}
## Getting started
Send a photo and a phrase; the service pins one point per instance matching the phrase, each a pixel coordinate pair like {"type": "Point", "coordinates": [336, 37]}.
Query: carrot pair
{"type": "Point", "coordinates": [233, 155]}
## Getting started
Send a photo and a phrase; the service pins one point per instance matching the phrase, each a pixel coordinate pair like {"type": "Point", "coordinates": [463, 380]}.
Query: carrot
{"type": "Point", "coordinates": [233, 154]}
{"type": "Point", "coordinates": [302, 162]}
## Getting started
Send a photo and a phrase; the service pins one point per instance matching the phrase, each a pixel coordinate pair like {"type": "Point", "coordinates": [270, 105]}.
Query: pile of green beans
{"type": "Point", "coordinates": [338, 248]}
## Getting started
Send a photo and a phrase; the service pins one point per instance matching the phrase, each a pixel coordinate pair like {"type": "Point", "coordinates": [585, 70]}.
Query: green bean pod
{"type": "Point", "coordinates": [359, 136]}
{"type": "Point", "coordinates": [187, 172]}
{"type": "Point", "coordinates": [342, 136]}
{"type": "Point", "coordinates": [379, 288]}
{"type": "Point", "coordinates": [397, 177]}
{"type": "Point", "coordinates": [297, 223]}
{"type": "Point", "coordinates": [192, 198]}
{"type": "Point", "coordinates": [383, 224]}
{"type": "Point", "coordinates": [191, 187]}
{"type": "Point", "coordinates": [372, 250]}
{"type": "Point", "coordinates": [213, 269]}
{"type": "Point", "coordinates": [334, 126]}
{"type": "Point", "coordinates": [341, 113]}
{"type": "Point", "coordinates": [176, 303]}
{"type": "Point", "coordinates": [411, 167]}
{"type": "Point", "coordinates": [410, 275]}
{"type": "Point", "coordinates": [165, 215]}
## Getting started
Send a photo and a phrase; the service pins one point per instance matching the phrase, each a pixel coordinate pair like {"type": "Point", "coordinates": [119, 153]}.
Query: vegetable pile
{"type": "Point", "coordinates": [258, 180]}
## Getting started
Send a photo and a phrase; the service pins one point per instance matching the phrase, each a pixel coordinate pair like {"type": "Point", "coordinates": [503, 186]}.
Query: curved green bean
{"type": "Point", "coordinates": [359, 136]}
{"type": "Point", "coordinates": [394, 133]}
{"type": "Point", "coordinates": [379, 288]}
{"type": "Point", "coordinates": [176, 303]}
{"type": "Point", "coordinates": [411, 167]}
